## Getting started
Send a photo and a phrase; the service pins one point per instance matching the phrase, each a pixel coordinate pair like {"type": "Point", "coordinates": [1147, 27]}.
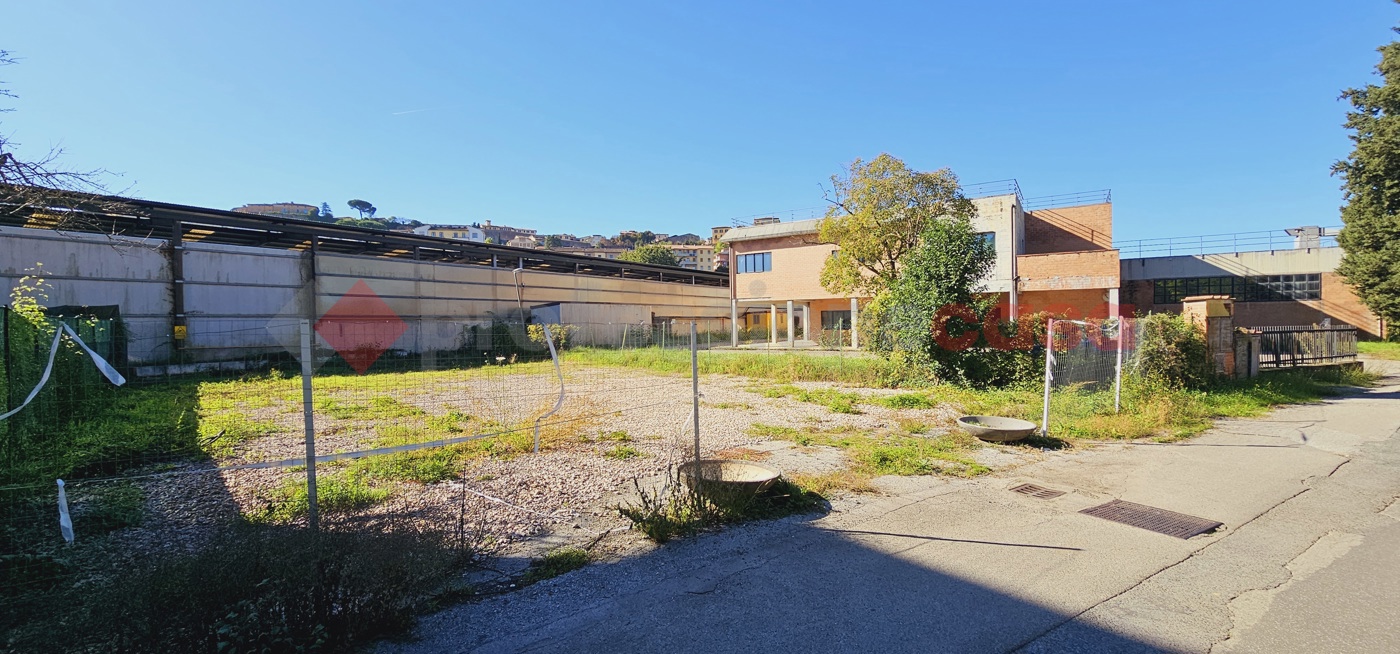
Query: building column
{"type": "Point", "coordinates": [1113, 303]}
{"type": "Point", "coordinates": [792, 338]}
{"type": "Point", "coordinates": [772, 323]}
{"type": "Point", "coordinates": [734, 322]}
{"type": "Point", "coordinates": [855, 309]}
{"type": "Point", "coordinates": [807, 321]}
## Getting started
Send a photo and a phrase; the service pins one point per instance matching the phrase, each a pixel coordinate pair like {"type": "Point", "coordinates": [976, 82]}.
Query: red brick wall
{"type": "Point", "coordinates": [1070, 229]}
{"type": "Point", "coordinates": [1082, 303]}
{"type": "Point", "coordinates": [1068, 270]}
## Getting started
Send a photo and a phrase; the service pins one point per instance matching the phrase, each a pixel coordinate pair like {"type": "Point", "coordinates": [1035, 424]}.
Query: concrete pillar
{"type": "Point", "coordinates": [734, 322]}
{"type": "Point", "coordinates": [855, 314]}
{"type": "Point", "coordinates": [1113, 303]}
{"type": "Point", "coordinates": [807, 322]}
{"type": "Point", "coordinates": [772, 323]}
{"type": "Point", "coordinates": [790, 324]}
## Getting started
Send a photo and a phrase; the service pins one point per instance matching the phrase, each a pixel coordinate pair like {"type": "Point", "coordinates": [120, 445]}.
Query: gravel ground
{"type": "Point", "coordinates": [516, 507]}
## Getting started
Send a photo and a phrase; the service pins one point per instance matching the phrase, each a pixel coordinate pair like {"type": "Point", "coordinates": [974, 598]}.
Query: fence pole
{"type": "Point", "coordinates": [1118, 369]}
{"type": "Point", "coordinates": [695, 401]}
{"type": "Point", "coordinates": [309, 418]}
{"type": "Point", "coordinates": [1049, 347]}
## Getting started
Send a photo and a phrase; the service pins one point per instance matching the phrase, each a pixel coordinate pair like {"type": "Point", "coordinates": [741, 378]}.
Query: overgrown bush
{"type": "Point", "coordinates": [255, 589]}
{"type": "Point", "coordinates": [1172, 351]}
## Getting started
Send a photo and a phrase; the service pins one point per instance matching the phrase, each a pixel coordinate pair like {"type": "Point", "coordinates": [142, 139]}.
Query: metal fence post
{"type": "Point", "coordinates": [309, 418]}
{"type": "Point", "coordinates": [695, 401]}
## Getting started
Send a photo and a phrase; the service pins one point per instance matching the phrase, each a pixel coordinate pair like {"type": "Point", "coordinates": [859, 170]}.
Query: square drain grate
{"type": "Point", "coordinates": [1039, 492]}
{"type": "Point", "coordinates": [1152, 518]}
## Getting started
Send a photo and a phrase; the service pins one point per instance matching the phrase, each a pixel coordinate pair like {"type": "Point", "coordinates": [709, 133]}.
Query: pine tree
{"type": "Point", "coordinates": [1370, 234]}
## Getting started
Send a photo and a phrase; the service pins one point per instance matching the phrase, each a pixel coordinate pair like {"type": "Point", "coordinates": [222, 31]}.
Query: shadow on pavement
{"type": "Point", "coordinates": [781, 587]}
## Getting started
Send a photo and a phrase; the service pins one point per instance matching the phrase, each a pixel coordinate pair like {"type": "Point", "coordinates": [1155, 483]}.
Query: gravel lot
{"type": "Point", "coordinates": [516, 507]}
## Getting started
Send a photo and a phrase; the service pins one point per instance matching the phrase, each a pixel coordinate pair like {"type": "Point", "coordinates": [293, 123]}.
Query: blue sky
{"type": "Point", "coordinates": [1202, 117]}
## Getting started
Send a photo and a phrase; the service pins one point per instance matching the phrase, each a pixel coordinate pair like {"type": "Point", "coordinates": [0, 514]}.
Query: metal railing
{"type": "Point", "coordinates": [1068, 199]}
{"type": "Point", "coordinates": [1300, 346]}
{"type": "Point", "coordinates": [1274, 239]}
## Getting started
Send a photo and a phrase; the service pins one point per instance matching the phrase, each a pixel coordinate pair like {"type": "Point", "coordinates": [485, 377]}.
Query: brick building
{"type": "Point", "coordinates": [1061, 257]}
{"type": "Point", "coordinates": [1058, 258]}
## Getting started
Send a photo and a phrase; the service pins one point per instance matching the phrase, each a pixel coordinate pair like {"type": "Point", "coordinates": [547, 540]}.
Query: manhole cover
{"type": "Point", "coordinates": [1152, 518]}
{"type": "Point", "coordinates": [1039, 492]}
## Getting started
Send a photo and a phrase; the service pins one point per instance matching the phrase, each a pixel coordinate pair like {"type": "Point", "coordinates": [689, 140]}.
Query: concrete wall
{"type": "Point", "coordinates": [1244, 264]}
{"type": "Point", "coordinates": [999, 214]}
{"type": "Point", "coordinates": [247, 300]}
{"type": "Point", "coordinates": [796, 273]}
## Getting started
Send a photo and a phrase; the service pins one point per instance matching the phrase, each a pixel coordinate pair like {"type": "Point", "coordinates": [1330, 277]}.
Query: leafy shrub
{"type": "Point", "coordinates": [1173, 351]}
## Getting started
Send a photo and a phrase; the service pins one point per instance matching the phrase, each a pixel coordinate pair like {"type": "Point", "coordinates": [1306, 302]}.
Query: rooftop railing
{"type": "Point", "coordinates": [1274, 239]}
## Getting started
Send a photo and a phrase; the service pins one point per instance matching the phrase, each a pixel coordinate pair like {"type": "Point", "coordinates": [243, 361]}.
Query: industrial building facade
{"type": "Point", "coordinates": [1055, 258]}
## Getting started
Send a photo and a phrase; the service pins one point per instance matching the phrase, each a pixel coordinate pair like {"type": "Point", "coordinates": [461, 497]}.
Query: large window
{"type": "Point", "coordinates": [989, 238]}
{"type": "Point", "coordinates": [1259, 288]}
{"type": "Point", "coordinates": [756, 262]}
{"type": "Point", "coordinates": [836, 319]}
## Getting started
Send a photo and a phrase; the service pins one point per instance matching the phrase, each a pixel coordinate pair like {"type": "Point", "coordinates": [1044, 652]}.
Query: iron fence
{"type": "Point", "coordinates": [1288, 346]}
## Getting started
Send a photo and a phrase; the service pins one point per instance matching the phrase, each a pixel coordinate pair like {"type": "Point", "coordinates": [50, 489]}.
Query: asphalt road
{"type": "Point", "coordinates": [1306, 561]}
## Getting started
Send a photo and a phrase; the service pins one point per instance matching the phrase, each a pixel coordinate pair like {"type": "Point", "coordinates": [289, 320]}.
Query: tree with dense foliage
{"type": "Point", "coordinates": [946, 268]}
{"type": "Point", "coordinates": [654, 254]}
{"type": "Point", "coordinates": [879, 211]}
{"type": "Point", "coordinates": [327, 216]}
{"type": "Point", "coordinates": [366, 209]}
{"type": "Point", "coordinates": [1370, 236]}
{"type": "Point", "coordinates": [551, 241]}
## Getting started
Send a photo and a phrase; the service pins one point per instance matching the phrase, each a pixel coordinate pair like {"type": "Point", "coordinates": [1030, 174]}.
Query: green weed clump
{"type": "Point", "coordinates": [906, 401]}
{"type": "Point", "coordinates": [335, 493]}
{"type": "Point", "coordinates": [555, 563]}
{"type": "Point", "coordinates": [837, 400]}
{"type": "Point", "coordinates": [622, 452]}
{"type": "Point", "coordinates": [873, 454]}
{"type": "Point", "coordinates": [672, 510]}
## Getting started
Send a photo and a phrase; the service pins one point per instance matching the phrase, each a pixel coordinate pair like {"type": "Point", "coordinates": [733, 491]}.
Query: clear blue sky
{"type": "Point", "coordinates": [1203, 117]}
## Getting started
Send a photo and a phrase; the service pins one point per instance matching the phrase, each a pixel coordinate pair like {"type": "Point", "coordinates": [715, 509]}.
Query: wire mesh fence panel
{"type": "Point", "coordinates": [1084, 364]}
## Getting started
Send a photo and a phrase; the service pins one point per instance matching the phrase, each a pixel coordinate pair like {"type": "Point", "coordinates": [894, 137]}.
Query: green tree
{"type": "Point", "coordinates": [879, 211]}
{"type": "Point", "coordinates": [946, 268]}
{"type": "Point", "coordinates": [366, 209]}
{"type": "Point", "coordinates": [551, 241]}
{"type": "Point", "coordinates": [1370, 235]}
{"type": "Point", "coordinates": [655, 254]}
{"type": "Point", "coordinates": [327, 216]}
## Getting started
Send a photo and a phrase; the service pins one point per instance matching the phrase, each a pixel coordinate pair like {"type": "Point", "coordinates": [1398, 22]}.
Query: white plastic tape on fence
{"type": "Point", "coordinates": [102, 366]}
{"type": "Point", "coordinates": [65, 522]}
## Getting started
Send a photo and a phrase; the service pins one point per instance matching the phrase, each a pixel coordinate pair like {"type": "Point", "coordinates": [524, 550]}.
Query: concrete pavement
{"type": "Point", "coordinates": [1305, 561]}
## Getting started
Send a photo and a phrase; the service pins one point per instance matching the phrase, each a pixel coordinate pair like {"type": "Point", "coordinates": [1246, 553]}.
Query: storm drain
{"type": "Point", "coordinates": [1039, 492]}
{"type": "Point", "coordinates": [1152, 518]}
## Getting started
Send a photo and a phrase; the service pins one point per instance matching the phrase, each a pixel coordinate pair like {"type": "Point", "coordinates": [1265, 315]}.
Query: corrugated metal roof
{"type": "Point", "coordinates": [774, 230]}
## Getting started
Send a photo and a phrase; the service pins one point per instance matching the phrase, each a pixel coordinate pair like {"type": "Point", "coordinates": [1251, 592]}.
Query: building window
{"type": "Point", "coordinates": [756, 262]}
{"type": "Point", "coordinates": [1257, 288]}
{"type": "Point", "coordinates": [989, 238]}
{"type": "Point", "coordinates": [836, 320]}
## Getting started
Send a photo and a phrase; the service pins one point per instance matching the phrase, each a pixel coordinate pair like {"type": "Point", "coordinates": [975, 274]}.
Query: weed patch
{"type": "Point", "coordinates": [335, 493]}
{"type": "Point", "coordinates": [837, 400]}
{"type": "Point", "coordinates": [555, 563]}
{"type": "Point", "coordinates": [622, 452]}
